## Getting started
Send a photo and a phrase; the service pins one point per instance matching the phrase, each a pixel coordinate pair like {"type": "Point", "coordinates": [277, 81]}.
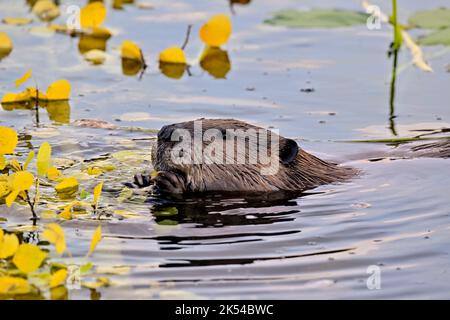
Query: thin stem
{"type": "Point", "coordinates": [392, 115]}
{"type": "Point", "coordinates": [186, 39]}
{"type": "Point", "coordinates": [35, 217]}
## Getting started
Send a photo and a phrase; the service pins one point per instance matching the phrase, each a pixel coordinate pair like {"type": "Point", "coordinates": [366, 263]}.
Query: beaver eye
{"type": "Point", "coordinates": [181, 153]}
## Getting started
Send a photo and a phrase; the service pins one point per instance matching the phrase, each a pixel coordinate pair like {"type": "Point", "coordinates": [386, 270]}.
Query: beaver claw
{"type": "Point", "coordinates": [168, 182]}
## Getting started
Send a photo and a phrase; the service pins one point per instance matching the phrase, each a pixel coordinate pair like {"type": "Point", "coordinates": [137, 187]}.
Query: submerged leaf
{"type": "Point", "coordinates": [317, 18]}
{"type": "Point", "coordinates": [216, 31]}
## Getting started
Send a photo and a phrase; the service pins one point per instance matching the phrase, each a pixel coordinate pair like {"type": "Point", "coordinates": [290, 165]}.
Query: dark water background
{"type": "Point", "coordinates": [395, 215]}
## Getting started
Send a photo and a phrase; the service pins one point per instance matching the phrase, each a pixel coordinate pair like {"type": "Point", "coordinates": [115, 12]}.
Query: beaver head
{"type": "Point", "coordinates": [205, 156]}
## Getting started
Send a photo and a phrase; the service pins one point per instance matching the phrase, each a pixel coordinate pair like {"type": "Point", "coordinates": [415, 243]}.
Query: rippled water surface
{"type": "Point", "coordinates": [395, 215]}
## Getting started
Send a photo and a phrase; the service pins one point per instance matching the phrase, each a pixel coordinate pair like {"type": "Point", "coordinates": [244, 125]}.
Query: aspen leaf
{"type": "Point", "coordinates": [216, 31]}
{"type": "Point", "coordinates": [8, 245]}
{"type": "Point", "coordinates": [2, 165]}
{"type": "Point", "coordinates": [8, 140]}
{"type": "Point", "coordinates": [20, 181]}
{"type": "Point", "coordinates": [59, 90]}
{"type": "Point", "coordinates": [18, 98]}
{"type": "Point", "coordinates": [58, 278]}
{"type": "Point", "coordinates": [28, 160]}
{"type": "Point", "coordinates": [54, 234]}
{"type": "Point", "coordinates": [14, 286]}
{"type": "Point", "coordinates": [173, 55]}
{"type": "Point", "coordinates": [24, 78]}
{"type": "Point", "coordinates": [97, 236]}
{"type": "Point", "coordinates": [28, 257]}
{"type": "Point", "coordinates": [33, 93]}
{"type": "Point", "coordinates": [17, 21]}
{"type": "Point", "coordinates": [6, 45]}
{"type": "Point", "coordinates": [68, 185]}
{"type": "Point", "coordinates": [92, 15]}
{"type": "Point", "coordinates": [54, 174]}
{"type": "Point", "coordinates": [130, 50]}
{"type": "Point", "coordinates": [44, 160]}
{"type": "Point", "coordinates": [97, 194]}
{"type": "Point", "coordinates": [216, 62]}
{"type": "Point", "coordinates": [46, 10]}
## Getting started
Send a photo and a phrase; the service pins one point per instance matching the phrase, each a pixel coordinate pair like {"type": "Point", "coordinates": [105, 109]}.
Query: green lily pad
{"type": "Point", "coordinates": [317, 18]}
{"type": "Point", "coordinates": [439, 37]}
{"type": "Point", "coordinates": [431, 19]}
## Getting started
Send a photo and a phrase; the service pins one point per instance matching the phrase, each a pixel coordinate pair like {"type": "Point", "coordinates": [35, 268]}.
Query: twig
{"type": "Point", "coordinates": [186, 40]}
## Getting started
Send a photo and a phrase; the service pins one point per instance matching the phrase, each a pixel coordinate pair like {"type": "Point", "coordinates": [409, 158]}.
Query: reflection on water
{"type": "Point", "coordinates": [216, 62]}
{"type": "Point", "coordinates": [58, 111]}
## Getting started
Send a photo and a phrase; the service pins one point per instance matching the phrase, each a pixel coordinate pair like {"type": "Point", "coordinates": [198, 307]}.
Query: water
{"type": "Point", "coordinates": [318, 245]}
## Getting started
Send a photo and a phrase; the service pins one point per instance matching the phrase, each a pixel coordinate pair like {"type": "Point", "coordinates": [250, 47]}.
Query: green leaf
{"type": "Point", "coordinates": [317, 18]}
{"type": "Point", "coordinates": [436, 38]}
{"type": "Point", "coordinates": [166, 212]}
{"type": "Point", "coordinates": [431, 19]}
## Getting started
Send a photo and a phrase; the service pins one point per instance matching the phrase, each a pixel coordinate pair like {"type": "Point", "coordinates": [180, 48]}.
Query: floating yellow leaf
{"type": "Point", "coordinates": [28, 160]}
{"type": "Point", "coordinates": [92, 15]}
{"type": "Point", "coordinates": [14, 286]}
{"type": "Point", "coordinates": [54, 234]}
{"type": "Point", "coordinates": [17, 21]}
{"type": "Point", "coordinates": [6, 45]}
{"type": "Point", "coordinates": [54, 174]}
{"type": "Point", "coordinates": [28, 257]}
{"type": "Point", "coordinates": [94, 171]}
{"type": "Point", "coordinates": [130, 50]}
{"type": "Point", "coordinates": [99, 282]}
{"type": "Point", "coordinates": [20, 181]}
{"type": "Point", "coordinates": [59, 90]}
{"type": "Point", "coordinates": [97, 194]}
{"type": "Point", "coordinates": [58, 278]}
{"type": "Point", "coordinates": [8, 140]}
{"type": "Point", "coordinates": [95, 240]}
{"type": "Point", "coordinates": [18, 98]}
{"type": "Point", "coordinates": [15, 165]}
{"type": "Point", "coordinates": [8, 244]}
{"type": "Point", "coordinates": [44, 161]}
{"type": "Point", "coordinates": [173, 55]}
{"type": "Point", "coordinates": [216, 31]}
{"type": "Point", "coordinates": [68, 185]}
{"type": "Point", "coordinates": [66, 214]}
{"type": "Point", "coordinates": [46, 10]}
{"type": "Point", "coordinates": [24, 78]}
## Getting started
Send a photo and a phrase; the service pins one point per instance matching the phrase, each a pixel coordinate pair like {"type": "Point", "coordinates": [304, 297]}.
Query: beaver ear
{"type": "Point", "coordinates": [288, 150]}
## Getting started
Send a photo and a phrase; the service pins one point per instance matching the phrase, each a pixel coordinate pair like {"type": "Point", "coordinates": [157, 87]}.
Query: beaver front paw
{"type": "Point", "coordinates": [141, 180]}
{"type": "Point", "coordinates": [169, 182]}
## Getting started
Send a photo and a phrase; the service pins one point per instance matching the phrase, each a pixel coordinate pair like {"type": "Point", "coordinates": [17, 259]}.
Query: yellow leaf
{"type": "Point", "coordinates": [92, 15]}
{"type": "Point", "coordinates": [28, 257]}
{"type": "Point", "coordinates": [99, 282]}
{"type": "Point", "coordinates": [94, 171]}
{"type": "Point", "coordinates": [59, 90]}
{"type": "Point", "coordinates": [19, 98]}
{"type": "Point", "coordinates": [33, 93]}
{"type": "Point", "coordinates": [29, 159]}
{"type": "Point", "coordinates": [5, 185]}
{"type": "Point", "coordinates": [173, 55]}
{"type": "Point", "coordinates": [46, 10]}
{"type": "Point", "coordinates": [20, 181]}
{"type": "Point", "coordinates": [97, 194]}
{"type": "Point", "coordinates": [172, 70]}
{"type": "Point", "coordinates": [14, 286]}
{"type": "Point", "coordinates": [2, 163]}
{"type": "Point", "coordinates": [17, 21]}
{"type": "Point", "coordinates": [58, 278]}
{"type": "Point", "coordinates": [8, 245]}
{"type": "Point", "coordinates": [6, 45]}
{"type": "Point", "coordinates": [216, 62]}
{"type": "Point", "coordinates": [66, 214]}
{"type": "Point", "coordinates": [53, 174]}
{"type": "Point", "coordinates": [95, 56]}
{"type": "Point", "coordinates": [95, 240]}
{"type": "Point", "coordinates": [24, 78]}
{"type": "Point", "coordinates": [68, 185]}
{"type": "Point", "coordinates": [15, 165]}
{"type": "Point", "coordinates": [8, 140]}
{"type": "Point", "coordinates": [131, 50]}
{"type": "Point", "coordinates": [216, 31]}
{"type": "Point", "coordinates": [44, 160]}
{"type": "Point", "coordinates": [55, 235]}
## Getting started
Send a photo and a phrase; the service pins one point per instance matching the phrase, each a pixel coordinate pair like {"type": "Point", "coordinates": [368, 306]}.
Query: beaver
{"type": "Point", "coordinates": [295, 169]}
